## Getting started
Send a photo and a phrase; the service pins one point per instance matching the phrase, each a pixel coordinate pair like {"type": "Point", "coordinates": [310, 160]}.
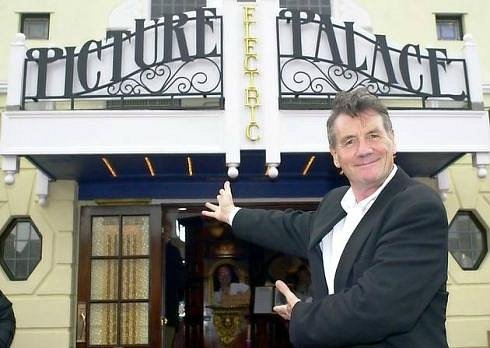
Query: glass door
{"type": "Point", "coordinates": [119, 280]}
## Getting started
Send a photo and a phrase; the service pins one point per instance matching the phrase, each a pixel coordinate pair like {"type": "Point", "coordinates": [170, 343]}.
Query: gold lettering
{"type": "Point", "coordinates": [252, 97]}
{"type": "Point", "coordinates": [247, 28]}
{"type": "Point", "coordinates": [252, 131]}
{"type": "Point", "coordinates": [250, 63]}
{"type": "Point", "coordinates": [250, 43]}
{"type": "Point", "coordinates": [251, 76]}
{"type": "Point", "coordinates": [252, 100]}
{"type": "Point", "coordinates": [249, 14]}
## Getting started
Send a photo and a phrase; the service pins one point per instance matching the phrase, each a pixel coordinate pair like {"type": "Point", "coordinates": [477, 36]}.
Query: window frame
{"type": "Point", "coordinates": [310, 5]}
{"type": "Point", "coordinates": [4, 235]}
{"type": "Point", "coordinates": [458, 17]}
{"type": "Point", "coordinates": [484, 231]}
{"type": "Point", "coordinates": [176, 4]}
{"type": "Point", "coordinates": [37, 15]}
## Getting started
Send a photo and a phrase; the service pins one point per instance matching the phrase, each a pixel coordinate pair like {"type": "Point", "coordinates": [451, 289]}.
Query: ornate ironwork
{"type": "Point", "coordinates": [331, 65]}
{"type": "Point", "coordinates": [178, 70]}
{"type": "Point", "coordinates": [323, 78]}
{"type": "Point", "coordinates": [161, 79]}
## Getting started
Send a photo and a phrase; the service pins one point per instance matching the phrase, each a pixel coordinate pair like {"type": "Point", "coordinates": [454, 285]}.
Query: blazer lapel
{"type": "Point", "coordinates": [364, 228]}
{"type": "Point", "coordinates": [329, 214]}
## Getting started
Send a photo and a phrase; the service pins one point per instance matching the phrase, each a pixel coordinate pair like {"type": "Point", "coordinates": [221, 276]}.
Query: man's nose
{"type": "Point", "coordinates": [364, 147]}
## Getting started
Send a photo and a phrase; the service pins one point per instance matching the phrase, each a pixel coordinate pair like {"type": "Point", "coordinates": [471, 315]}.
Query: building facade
{"type": "Point", "coordinates": [116, 126]}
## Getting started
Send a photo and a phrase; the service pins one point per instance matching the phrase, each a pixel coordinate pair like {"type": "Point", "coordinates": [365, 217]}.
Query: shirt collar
{"type": "Point", "coordinates": [348, 202]}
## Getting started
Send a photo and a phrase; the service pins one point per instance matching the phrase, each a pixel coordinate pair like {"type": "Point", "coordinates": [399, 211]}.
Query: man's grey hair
{"type": "Point", "coordinates": [353, 103]}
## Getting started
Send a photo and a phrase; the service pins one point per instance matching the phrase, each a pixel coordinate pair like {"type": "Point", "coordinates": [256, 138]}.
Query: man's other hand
{"type": "Point", "coordinates": [225, 205]}
{"type": "Point", "coordinates": [285, 310]}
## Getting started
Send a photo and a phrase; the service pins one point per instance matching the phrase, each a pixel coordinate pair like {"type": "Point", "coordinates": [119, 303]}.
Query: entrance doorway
{"type": "Point", "coordinates": [215, 317]}
{"type": "Point", "coordinates": [127, 283]}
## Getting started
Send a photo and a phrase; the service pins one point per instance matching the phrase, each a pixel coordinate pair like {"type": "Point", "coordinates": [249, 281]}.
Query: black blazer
{"type": "Point", "coordinates": [391, 278]}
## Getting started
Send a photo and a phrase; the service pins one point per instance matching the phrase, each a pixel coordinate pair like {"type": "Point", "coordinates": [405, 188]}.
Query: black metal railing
{"type": "Point", "coordinates": [186, 76]}
{"type": "Point", "coordinates": [310, 81]}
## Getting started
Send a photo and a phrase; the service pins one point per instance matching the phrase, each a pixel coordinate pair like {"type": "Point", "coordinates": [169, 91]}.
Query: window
{"type": "Point", "coordinates": [35, 26]}
{"type": "Point", "coordinates": [449, 27]}
{"type": "Point", "coordinates": [160, 7]}
{"type": "Point", "coordinates": [318, 6]}
{"type": "Point", "coordinates": [20, 249]}
{"type": "Point", "coordinates": [467, 240]}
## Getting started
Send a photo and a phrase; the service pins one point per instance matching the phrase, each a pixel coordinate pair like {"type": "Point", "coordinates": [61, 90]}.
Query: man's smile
{"type": "Point", "coordinates": [367, 164]}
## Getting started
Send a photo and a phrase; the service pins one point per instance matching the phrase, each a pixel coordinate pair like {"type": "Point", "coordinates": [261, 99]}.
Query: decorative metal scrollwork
{"type": "Point", "coordinates": [187, 78]}
{"type": "Point", "coordinates": [327, 78]}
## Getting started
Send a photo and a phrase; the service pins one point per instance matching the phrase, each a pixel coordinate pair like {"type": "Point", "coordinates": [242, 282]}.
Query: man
{"type": "Point", "coordinates": [377, 249]}
{"type": "Point", "coordinates": [7, 322]}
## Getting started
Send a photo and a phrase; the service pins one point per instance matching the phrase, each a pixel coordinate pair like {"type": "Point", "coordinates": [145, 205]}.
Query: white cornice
{"type": "Point", "coordinates": [3, 86]}
{"type": "Point", "coordinates": [486, 88]}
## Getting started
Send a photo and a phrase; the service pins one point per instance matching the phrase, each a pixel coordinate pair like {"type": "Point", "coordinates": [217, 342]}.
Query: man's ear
{"type": "Point", "coordinates": [394, 150]}
{"type": "Point", "coordinates": [335, 157]}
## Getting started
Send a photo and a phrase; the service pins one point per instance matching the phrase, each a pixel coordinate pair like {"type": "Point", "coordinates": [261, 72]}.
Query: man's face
{"type": "Point", "coordinates": [364, 150]}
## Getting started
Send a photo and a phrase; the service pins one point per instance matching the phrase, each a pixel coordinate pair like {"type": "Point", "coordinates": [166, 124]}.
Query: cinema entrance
{"type": "Point", "coordinates": [153, 274]}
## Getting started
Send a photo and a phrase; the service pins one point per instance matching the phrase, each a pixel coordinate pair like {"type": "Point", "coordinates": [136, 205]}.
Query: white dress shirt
{"type": "Point", "coordinates": [333, 244]}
